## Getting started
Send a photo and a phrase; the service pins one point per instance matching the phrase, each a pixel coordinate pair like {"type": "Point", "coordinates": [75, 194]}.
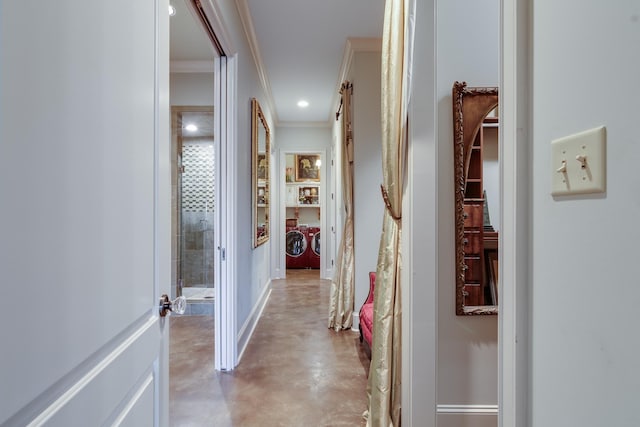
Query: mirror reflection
{"type": "Point", "coordinates": [260, 136]}
{"type": "Point", "coordinates": [477, 202]}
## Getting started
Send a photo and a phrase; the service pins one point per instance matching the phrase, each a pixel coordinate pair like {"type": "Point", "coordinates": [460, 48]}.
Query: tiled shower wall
{"type": "Point", "coordinates": [197, 213]}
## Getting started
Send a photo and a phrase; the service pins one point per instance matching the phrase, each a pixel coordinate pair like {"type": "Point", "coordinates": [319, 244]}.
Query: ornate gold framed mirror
{"type": "Point", "coordinates": [260, 153]}
{"type": "Point", "coordinates": [475, 136]}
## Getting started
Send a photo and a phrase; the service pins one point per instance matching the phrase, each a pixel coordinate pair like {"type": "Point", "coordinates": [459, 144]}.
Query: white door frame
{"type": "Point", "coordinates": [225, 302]}
{"type": "Point", "coordinates": [513, 323]}
{"type": "Point", "coordinates": [225, 290]}
{"type": "Point", "coordinates": [280, 228]}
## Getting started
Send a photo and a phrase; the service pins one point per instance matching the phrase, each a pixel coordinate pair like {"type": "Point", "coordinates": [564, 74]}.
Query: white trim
{"type": "Point", "coordinates": [146, 385]}
{"type": "Point", "coordinates": [161, 204]}
{"type": "Point", "coordinates": [513, 322]}
{"type": "Point", "coordinates": [144, 335]}
{"type": "Point", "coordinates": [420, 221]}
{"type": "Point", "coordinates": [356, 321]}
{"type": "Point", "coordinates": [231, 211]}
{"type": "Point", "coordinates": [245, 333]}
{"type": "Point", "coordinates": [217, 23]}
{"type": "Point", "coordinates": [192, 66]}
{"type": "Point", "coordinates": [468, 409]}
{"type": "Point", "coordinates": [225, 289]}
{"type": "Point", "coordinates": [279, 239]}
{"type": "Point", "coordinates": [247, 24]}
{"type": "Point", "coordinates": [225, 82]}
{"type": "Point", "coordinates": [279, 228]}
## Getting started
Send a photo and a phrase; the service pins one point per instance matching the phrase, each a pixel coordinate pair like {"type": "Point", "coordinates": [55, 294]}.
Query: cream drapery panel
{"type": "Point", "coordinates": [342, 286]}
{"type": "Point", "coordinates": [385, 372]}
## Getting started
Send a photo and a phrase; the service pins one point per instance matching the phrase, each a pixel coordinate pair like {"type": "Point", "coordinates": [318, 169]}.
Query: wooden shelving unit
{"type": "Point", "coordinates": [475, 290]}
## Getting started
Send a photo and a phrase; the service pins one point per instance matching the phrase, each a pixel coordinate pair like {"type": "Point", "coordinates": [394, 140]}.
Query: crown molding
{"type": "Point", "coordinates": [191, 67]}
{"type": "Point", "coordinates": [247, 24]}
{"type": "Point", "coordinates": [304, 124]}
{"type": "Point", "coordinates": [352, 46]}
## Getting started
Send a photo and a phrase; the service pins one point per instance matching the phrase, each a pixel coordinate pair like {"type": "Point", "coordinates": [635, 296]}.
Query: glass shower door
{"type": "Point", "coordinates": [196, 212]}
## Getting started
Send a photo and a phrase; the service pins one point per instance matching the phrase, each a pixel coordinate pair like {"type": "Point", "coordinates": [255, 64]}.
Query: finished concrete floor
{"type": "Point", "coordinates": [294, 372]}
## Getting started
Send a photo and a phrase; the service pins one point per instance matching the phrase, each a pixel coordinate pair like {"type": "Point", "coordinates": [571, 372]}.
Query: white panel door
{"type": "Point", "coordinates": [84, 212]}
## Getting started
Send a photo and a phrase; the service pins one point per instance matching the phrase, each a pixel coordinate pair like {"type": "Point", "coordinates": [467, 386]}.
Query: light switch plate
{"type": "Point", "coordinates": [570, 175]}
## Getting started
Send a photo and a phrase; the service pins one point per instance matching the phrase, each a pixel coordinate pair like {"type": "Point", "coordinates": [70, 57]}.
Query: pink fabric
{"type": "Point", "coordinates": [366, 322]}
{"type": "Point", "coordinates": [366, 312]}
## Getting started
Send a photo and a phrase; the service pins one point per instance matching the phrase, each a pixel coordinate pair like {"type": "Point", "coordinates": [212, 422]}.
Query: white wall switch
{"type": "Point", "coordinates": [579, 163]}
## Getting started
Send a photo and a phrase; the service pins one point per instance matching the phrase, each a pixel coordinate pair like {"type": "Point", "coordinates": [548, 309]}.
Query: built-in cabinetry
{"type": "Point", "coordinates": [303, 198]}
{"type": "Point", "coordinates": [479, 235]}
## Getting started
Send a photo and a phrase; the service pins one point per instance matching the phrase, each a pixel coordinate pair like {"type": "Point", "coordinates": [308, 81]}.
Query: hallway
{"type": "Point", "coordinates": [294, 372]}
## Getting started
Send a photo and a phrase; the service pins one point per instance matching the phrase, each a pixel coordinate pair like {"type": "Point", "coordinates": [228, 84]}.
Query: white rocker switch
{"type": "Point", "coordinates": [579, 163]}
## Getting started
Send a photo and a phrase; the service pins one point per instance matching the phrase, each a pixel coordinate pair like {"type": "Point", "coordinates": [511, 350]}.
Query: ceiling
{"type": "Point", "coordinates": [300, 45]}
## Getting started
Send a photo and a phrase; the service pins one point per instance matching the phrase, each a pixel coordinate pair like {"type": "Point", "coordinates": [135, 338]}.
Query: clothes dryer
{"type": "Point", "coordinates": [296, 246]}
{"type": "Point", "coordinates": [313, 236]}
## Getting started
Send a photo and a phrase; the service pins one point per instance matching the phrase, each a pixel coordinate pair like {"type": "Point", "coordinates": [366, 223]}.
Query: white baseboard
{"type": "Point", "coordinates": [356, 322]}
{"type": "Point", "coordinates": [245, 333]}
{"type": "Point", "coordinates": [468, 409]}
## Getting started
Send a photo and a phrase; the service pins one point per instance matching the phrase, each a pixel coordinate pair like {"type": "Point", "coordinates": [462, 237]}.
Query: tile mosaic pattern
{"type": "Point", "coordinates": [198, 177]}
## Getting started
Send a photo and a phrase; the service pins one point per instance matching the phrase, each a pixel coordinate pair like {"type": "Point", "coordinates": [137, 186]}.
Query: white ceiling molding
{"type": "Point", "coordinates": [211, 8]}
{"type": "Point", "coordinates": [353, 45]}
{"type": "Point", "coordinates": [247, 23]}
{"type": "Point", "coordinates": [191, 67]}
{"type": "Point", "coordinates": [304, 124]}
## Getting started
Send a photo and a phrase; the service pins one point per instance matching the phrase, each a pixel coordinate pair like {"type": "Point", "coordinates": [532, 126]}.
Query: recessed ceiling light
{"type": "Point", "coordinates": [303, 104]}
{"type": "Point", "coordinates": [172, 10]}
{"type": "Point", "coordinates": [191, 127]}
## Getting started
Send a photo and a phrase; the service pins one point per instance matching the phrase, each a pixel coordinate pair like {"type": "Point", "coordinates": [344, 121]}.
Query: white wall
{"type": "Point", "coordinates": [449, 46]}
{"type": "Point", "coordinates": [292, 139]}
{"type": "Point", "coordinates": [585, 289]}
{"type": "Point", "coordinates": [420, 231]}
{"type": "Point", "coordinates": [368, 205]}
{"type": "Point", "coordinates": [191, 88]}
{"type": "Point", "coordinates": [252, 265]}
{"type": "Point", "coordinates": [468, 50]}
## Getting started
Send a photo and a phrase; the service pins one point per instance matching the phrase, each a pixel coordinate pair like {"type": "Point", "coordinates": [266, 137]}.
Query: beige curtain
{"type": "Point", "coordinates": [342, 286]}
{"type": "Point", "coordinates": [385, 371]}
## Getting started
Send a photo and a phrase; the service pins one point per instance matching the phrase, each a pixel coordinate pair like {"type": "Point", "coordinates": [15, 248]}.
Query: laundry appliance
{"type": "Point", "coordinates": [296, 246]}
{"type": "Point", "coordinates": [313, 239]}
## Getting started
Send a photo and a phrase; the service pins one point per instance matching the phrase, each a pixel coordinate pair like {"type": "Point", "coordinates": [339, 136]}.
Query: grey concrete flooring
{"type": "Point", "coordinates": [294, 372]}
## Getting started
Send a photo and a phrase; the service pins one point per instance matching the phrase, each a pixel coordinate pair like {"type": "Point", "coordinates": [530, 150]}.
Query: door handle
{"type": "Point", "coordinates": [177, 306]}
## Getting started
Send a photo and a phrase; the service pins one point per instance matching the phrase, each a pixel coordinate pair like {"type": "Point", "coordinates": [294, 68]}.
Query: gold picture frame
{"type": "Point", "coordinates": [307, 167]}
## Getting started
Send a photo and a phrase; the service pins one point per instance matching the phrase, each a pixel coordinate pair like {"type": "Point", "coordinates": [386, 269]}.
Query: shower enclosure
{"type": "Point", "coordinates": [194, 204]}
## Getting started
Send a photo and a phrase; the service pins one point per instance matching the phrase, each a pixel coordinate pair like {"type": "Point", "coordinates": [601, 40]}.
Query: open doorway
{"type": "Point", "coordinates": [202, 73]}
{"type": "Point", "coordinates": [304, 199]}
{"type": "Point", "coordinates": [195, 148]}
{"type": "Point", "coordinates": [194, 222]}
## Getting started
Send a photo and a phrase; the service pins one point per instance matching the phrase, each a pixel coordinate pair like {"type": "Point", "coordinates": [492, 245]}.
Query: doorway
{"type": "Point", "coordinates": [202, 73]}
{"type": "Point", "coordinates": [303, 219]}
{"type": "Point", "coordinates": [194, 206]}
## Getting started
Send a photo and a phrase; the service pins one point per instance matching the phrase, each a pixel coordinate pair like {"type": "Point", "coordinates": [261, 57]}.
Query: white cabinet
{"type": "Point", "coordinates": [303, 202]}
{"type": "Point", "coordinates": [303, 195]}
